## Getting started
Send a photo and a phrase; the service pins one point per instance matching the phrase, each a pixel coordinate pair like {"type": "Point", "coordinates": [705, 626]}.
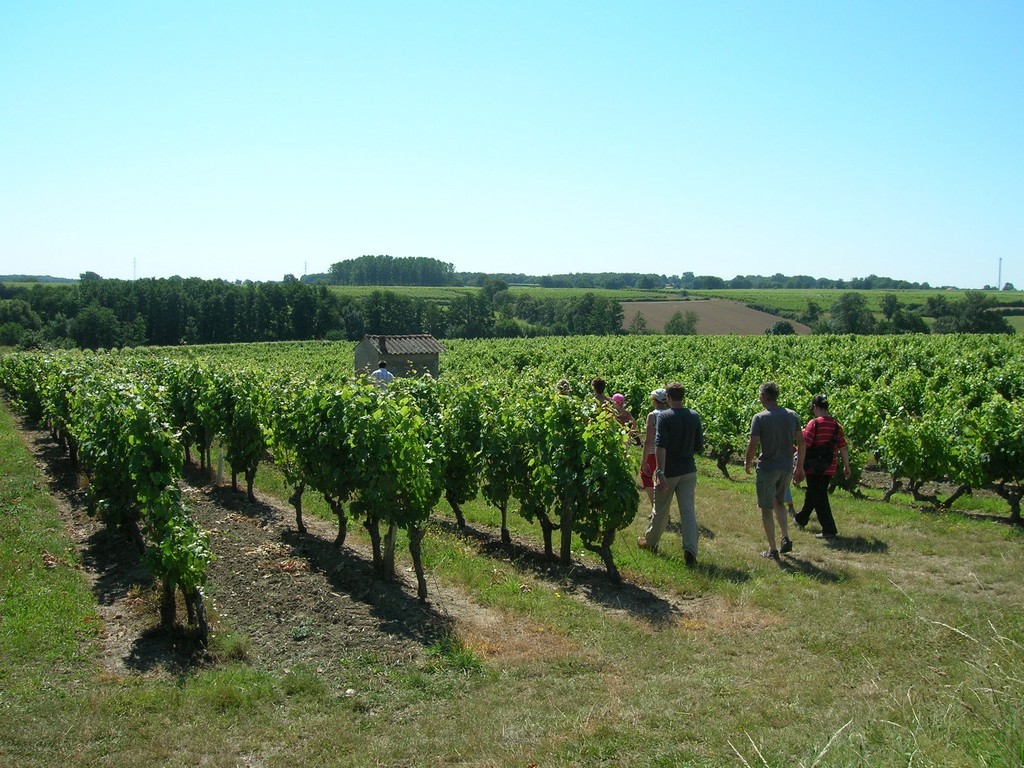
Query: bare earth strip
{"type": "Point", "coordinates": [716, 317]}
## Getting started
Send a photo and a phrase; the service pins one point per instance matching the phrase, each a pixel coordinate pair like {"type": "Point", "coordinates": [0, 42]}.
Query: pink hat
{"type": "Point", "coordinates": [619, 398]}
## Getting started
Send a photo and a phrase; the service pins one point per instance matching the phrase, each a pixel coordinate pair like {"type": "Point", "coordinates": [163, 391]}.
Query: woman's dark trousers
{"type": "Point", "coordinates": [816, 500]}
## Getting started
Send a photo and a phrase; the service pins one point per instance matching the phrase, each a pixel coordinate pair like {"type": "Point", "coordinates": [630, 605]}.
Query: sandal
{"type": "Point", "coordinates": [771, 554]}
{"type": "Point", "coordinates": [787, 545]}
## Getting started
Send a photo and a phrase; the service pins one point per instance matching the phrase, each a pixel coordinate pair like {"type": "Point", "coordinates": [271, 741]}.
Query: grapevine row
{"type": "Point", "coordinates": [921, 408]}
{"type": "Point", "coordinates": [114, 424]}
{"type": "Point", "coordinates": [381, 456]}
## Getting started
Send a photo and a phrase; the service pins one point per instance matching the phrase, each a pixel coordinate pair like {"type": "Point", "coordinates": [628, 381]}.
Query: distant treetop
{"type": "Point", "coordinates": [34, 279]}
{"type": "Point", "coordinates": [690, 281]}
{"type": "Point", "coordinates": [388, 270]}
{"type": "Point", "coordinates": [391, 270]}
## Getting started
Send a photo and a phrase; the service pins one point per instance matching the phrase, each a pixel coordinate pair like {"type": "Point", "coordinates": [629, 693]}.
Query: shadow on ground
{"type": "Point", "coordinates": [592, 584]}
{"type": "Point", "coordinates": [398, 611]}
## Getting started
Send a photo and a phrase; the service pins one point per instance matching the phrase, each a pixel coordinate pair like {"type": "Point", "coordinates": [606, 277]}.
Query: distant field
{"type": "Point", "coordinates": [794, 300]}
{"type": "Point", "coordinates": [30, 283]}
{"type": "Point", "coordinates": [445, 294]}
{"type": "Point", "coordinates": [440, 293]}
{"type": "Point", "coordinates": [782, 301]}
{"type": "Point", "coordinates": [716, 317]}
{"type": "Point", "coordinates": [624, 294]}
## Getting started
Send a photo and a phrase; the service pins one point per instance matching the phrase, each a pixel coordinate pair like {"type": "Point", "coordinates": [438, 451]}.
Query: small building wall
{"type": "Point", "coordinates": [401, 363]}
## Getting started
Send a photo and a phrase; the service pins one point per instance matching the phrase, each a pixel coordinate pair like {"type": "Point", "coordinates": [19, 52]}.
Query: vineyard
{"type": "Point", "coordinates": [922, 410]}
{"type": "Point", "coordinates": [380, 456]}
{"type": "Point", "coordinates": [489, 469]}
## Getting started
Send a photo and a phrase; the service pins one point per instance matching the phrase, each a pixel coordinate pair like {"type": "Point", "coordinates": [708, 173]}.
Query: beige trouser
{"type": "Point", "coordinates": [684, 488]}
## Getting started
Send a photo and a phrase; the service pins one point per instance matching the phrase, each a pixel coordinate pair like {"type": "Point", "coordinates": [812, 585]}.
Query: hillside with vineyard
{"type": "Point", "coordinates": [922, 410]}
{"type": "Point", "coordinates": [263, 515]}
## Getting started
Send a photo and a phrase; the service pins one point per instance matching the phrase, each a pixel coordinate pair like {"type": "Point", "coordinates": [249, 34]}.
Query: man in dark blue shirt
{"type": "Point", "coordinates": [678, 438]}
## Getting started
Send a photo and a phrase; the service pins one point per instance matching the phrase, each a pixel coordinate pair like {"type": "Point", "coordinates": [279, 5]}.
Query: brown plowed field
{"type": "Point", "coordinates": [717, 317]}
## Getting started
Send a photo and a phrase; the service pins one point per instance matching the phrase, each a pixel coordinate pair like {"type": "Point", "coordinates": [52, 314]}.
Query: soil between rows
{"type": "Point", "coordinates": [298, 601]}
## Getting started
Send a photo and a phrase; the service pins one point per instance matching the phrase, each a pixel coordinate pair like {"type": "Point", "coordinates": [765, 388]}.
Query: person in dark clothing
{"type": "Point", "coordinates": [823, 437]}
{"type": "Point", "coordinates": [678, 438]}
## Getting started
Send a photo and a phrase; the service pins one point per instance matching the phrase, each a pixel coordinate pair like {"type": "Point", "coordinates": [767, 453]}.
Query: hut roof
{"type": "Point", "coordinates": [408, 344]}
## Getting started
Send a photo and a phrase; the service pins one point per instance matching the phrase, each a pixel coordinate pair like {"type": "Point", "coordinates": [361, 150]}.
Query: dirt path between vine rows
{"type": "Point", "coordinates": [298, 601]}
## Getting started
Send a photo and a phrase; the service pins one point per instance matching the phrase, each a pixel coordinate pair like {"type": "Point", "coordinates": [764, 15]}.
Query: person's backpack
{"type": "Point", "coordinates": [818, 458]}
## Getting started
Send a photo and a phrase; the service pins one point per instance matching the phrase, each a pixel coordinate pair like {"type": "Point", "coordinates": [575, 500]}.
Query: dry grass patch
{"type": "Point", "coordinates": [503, 639]}
{"type": "Point", "coordinates": [726, 617]}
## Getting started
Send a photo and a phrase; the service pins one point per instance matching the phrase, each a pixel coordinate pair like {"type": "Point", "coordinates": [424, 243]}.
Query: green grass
{"type": "Point", "coordinates": [48, 612]}
{"type": "Point", "coordinates": [903, 644]}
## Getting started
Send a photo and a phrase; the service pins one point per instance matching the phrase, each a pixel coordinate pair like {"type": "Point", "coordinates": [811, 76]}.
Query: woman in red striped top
{"type": "Point", "coordinates": [822, 432]}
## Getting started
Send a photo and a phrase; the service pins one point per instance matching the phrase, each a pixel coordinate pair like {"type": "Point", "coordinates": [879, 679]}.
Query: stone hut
{"type": "Point", "coordinates": [406, 355]}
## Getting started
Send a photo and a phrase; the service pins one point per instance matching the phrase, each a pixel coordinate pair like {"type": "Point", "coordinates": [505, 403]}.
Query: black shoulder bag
{"type": "Point", "coordinates": [818, 459]}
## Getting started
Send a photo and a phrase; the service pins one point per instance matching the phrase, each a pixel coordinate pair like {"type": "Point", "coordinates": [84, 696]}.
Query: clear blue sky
{"type": "Point", "coordinates": [253, 140]}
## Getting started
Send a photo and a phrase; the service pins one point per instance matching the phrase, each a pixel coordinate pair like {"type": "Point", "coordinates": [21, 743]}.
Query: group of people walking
{"type": "Point", "coordinates": [779, 450]}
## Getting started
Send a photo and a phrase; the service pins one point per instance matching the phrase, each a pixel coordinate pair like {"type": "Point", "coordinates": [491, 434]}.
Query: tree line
{"type": "Point", "coordinates": [97, 313]}
{"type": "Point", "coordinates": [691, 281]}
{"type": "Point", "coordinates": [387, 270]}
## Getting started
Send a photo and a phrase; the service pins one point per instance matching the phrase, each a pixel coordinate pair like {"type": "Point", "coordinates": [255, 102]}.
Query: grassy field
{"type": "Point", "coordinates": [624, 294]}
{"type": "Point", "coordinates": [900, 644]}
{"type": "Point", "coordinates": [794, 300]}
{"type": "Point", "coordinates": [445, 294]}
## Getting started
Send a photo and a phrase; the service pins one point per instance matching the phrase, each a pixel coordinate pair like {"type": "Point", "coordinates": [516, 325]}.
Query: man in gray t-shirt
{"type": "Point", "coordinates": [778, 432]}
